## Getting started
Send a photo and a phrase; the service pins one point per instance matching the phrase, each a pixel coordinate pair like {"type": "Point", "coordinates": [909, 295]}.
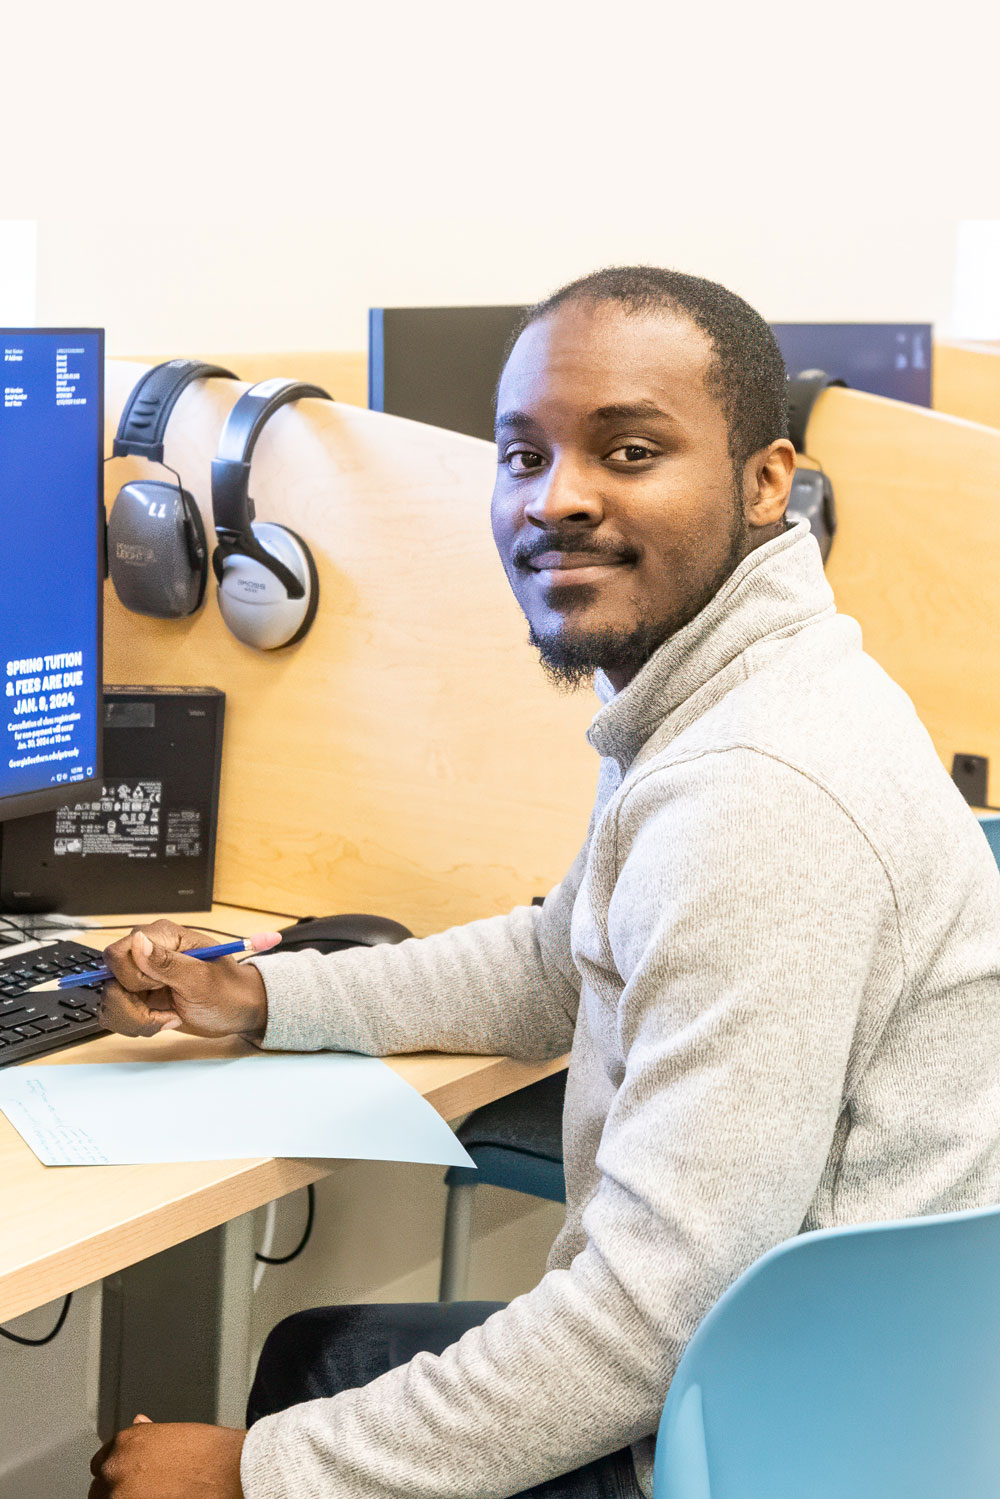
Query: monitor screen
{"type": "Point", "coordinates": [51, 511]}
{"type": "Point", "coordinates": [886, 359]}
{"type": "Point", "coordinates": [441, 364]}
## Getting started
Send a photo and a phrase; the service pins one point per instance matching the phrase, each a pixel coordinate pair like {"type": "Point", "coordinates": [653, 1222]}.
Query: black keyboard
{"type": "Point", "coordinates": [32, 1025]}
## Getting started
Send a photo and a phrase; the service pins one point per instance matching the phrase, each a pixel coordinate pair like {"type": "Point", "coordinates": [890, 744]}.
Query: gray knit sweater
{"type": "Point", "coordinates": [777, 961]}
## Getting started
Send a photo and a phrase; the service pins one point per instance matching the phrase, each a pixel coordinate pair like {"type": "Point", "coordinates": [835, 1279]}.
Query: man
{"type": "Point", "coordinates": [776, 956]}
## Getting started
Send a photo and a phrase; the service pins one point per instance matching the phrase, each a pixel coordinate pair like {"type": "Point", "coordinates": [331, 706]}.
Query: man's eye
{"type": "Point", "coordinates": [523, 461]}
{"type": "Point", "coordinates": [631, 452]}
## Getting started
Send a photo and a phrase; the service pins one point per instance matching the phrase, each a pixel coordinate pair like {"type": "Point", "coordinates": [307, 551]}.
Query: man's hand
{"type": "Point", "coordinates": [156, 988]}
{"type": "Point", "coordinates": [169, 1461]}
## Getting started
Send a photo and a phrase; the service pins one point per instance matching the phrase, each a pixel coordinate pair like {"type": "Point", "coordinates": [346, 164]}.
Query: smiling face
{"type": "Point", "coordinates": [616, 510]}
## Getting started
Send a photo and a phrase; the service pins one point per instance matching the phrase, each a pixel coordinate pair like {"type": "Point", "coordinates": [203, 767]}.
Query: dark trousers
{"type": "Point", "coordinates": [319, 1353]}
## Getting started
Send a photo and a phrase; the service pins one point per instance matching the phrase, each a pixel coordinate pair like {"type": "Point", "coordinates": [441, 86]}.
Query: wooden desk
{"type": "Point", "coordinates": [67, 1226]}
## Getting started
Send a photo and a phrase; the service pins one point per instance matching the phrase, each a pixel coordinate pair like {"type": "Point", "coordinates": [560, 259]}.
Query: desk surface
{"type": "Point", "coordinates": [65, 1226]}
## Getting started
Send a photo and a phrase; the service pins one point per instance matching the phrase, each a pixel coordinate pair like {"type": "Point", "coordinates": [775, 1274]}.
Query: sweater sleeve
{"type": "Point", "coordinates": [742, 982]}
{"type": "Point", "coordinates": [503, 986]}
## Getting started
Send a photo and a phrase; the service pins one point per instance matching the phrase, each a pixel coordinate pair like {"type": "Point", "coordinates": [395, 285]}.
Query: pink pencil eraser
{"type": "Point", "coordinates": [261, 941]}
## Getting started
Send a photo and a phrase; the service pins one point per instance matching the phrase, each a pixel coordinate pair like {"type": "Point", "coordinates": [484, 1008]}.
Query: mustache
{"type": "Point", "coordinates": [523, 552]}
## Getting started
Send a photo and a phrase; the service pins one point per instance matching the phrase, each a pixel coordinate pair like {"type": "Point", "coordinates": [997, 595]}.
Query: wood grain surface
{"type": "Point", "coordinates": [916, 558]}
{"type": "Point", "coordinates": [967, 381]}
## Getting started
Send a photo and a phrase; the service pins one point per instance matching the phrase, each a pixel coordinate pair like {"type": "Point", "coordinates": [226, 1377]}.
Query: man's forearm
{"type": "Point", "coordinates": [496, 986]}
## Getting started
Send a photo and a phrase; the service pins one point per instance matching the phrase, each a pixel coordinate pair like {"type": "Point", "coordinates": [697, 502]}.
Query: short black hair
{"type": "Point", "coordinates": [748, 373]}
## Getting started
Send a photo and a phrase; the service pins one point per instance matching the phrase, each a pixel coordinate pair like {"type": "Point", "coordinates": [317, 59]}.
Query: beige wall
{"type": "Point", "coordinates": [254, 176]}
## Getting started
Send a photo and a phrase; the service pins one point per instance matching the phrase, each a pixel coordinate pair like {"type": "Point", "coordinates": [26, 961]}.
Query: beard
{"type": "Point", "coordinates": [570, 656]}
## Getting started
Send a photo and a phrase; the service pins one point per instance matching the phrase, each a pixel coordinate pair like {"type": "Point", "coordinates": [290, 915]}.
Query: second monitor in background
{"type": "Point", "coordinates": [441, 364]}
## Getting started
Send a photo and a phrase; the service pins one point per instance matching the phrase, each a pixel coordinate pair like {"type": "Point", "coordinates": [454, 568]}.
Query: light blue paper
{"type": "Point", "coordinates": [328, 1105]}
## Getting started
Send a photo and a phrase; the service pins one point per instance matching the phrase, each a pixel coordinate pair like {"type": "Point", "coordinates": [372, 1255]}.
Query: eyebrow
{"type": "Point", "coordinates": [519, 420]}
{"type": "Point", "coordinates": [631, 411]}
{"type": "Point", "coordinates": [625, 411]}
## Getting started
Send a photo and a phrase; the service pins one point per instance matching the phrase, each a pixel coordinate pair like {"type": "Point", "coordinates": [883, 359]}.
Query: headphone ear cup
{"type": "Point", "coordinates": [311, 600]}
{"type": "Point", "coordinates": [197, 545]}
{"type": "Point", "coordinates": [254, 602]}
{"type": "Point", "coordinates": [152, 563]}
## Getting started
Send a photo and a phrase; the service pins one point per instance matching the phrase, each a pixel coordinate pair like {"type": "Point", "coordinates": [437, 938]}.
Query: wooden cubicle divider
{"type": "Point", "coordinates": [916, 558]}
{"type": "Point", "coordinates": [967, 381]}
{"type": "Point", "coordinates": [408, 757]}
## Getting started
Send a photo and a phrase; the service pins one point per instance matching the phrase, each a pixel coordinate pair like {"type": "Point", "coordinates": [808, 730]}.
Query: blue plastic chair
{"type": "Point", "coordinates": [516, 1142]}
{"type": "Point", "coordinates": [855, 1363]}
{"type": "Point", "coordinates": [990, 824]}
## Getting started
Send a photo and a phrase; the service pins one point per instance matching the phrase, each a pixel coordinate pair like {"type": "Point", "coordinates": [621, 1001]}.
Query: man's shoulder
{"type": "Point", "coordinates": [838, 753]}
{"type": "Point", "coordinates": [819, 706]}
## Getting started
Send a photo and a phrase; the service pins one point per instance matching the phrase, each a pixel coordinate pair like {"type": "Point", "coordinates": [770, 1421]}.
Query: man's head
{"type": "Point", "coordinates": [641, 456]}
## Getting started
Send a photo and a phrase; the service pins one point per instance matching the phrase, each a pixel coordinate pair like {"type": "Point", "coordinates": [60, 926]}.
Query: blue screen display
{"type": "Point", "coordinates": [51, 443]}
{"type": "Point", "coordinates": [887, 359]}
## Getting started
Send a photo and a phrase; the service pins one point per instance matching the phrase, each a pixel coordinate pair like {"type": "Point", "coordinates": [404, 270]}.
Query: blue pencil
{"type": "Point", "coordinates": [259, 943]}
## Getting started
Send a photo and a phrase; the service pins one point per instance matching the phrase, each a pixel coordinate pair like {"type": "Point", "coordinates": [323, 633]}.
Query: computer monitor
{"type": "Point", "coordinates": [441, 364]}
{"type": "Point", "coordinates": [51, 565]}
{"type": "Point", "coordinates": [886, 359]}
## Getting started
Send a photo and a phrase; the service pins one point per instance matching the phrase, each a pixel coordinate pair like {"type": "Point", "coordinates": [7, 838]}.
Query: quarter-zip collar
{"type": "Point", "coordinates": [776, 590]}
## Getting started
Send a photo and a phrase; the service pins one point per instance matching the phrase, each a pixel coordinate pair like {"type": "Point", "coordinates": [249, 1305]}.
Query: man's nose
{"type": "Point", "coordinates": [563, 494]}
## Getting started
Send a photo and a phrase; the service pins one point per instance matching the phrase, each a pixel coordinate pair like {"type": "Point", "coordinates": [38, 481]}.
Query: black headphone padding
{"type": "Point", "coordinates": [803, 391]}
{"type": "Point", "coordinates": [147, 411]}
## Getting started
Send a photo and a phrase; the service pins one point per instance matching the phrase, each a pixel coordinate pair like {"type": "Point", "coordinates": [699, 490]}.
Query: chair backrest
{"type": "Point", "coordinates": [856, 1363]}
{"type": "Point", "coordinates": [990, 824]}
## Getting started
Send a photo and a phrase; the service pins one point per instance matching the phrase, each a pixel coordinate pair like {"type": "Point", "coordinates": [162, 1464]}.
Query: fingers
{"type": "Point", "coordinates": [98, 1459]}
{"type": "Point", "coordinates": [152, 975]}
{"type": "Point", "coordinates": [139, 1420]}
{"type": "Point", "coordinates": [167, 967]}
{"type": "Point", "coordinates": [136, 1014]}
{"type": "Point", "coordinates": [120, 956]}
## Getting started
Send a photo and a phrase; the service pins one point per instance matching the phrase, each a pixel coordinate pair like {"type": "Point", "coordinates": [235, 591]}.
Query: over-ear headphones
{"type": "Point", "coordinates": [157, 555]}
{"type": "Point", "coordinates": [811, 498]}
{"type": "Point", "coordinates": [268, 587]}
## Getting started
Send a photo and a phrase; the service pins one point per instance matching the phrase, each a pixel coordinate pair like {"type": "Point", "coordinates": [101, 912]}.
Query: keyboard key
{"type": "Point", "coordinates": [30, 1022]}
{"type": "Point", "coordinates": [48, 1023]}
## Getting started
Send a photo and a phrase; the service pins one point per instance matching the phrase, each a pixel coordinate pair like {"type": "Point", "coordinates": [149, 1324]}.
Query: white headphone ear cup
{"type": "Point", "coordinates": [253, 602]}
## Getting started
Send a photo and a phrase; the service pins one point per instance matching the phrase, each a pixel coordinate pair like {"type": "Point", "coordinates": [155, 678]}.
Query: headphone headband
{"type": "Point", "coordinates": [803, 390]}
{"type": "Point", "coordinates": [147, 410]}
{"type": "Point", "coordinates": [232, 507]}
{"type": "Point", "coordinates": [231, 502]}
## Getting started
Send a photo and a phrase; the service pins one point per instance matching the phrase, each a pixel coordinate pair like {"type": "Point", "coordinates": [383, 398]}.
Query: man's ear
{"type": "Point", "coordinates": [768, 483]}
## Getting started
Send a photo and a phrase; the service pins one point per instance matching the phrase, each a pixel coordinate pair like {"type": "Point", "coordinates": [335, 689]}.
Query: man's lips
{"type": "Point", "coordinates": [573, 561]}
